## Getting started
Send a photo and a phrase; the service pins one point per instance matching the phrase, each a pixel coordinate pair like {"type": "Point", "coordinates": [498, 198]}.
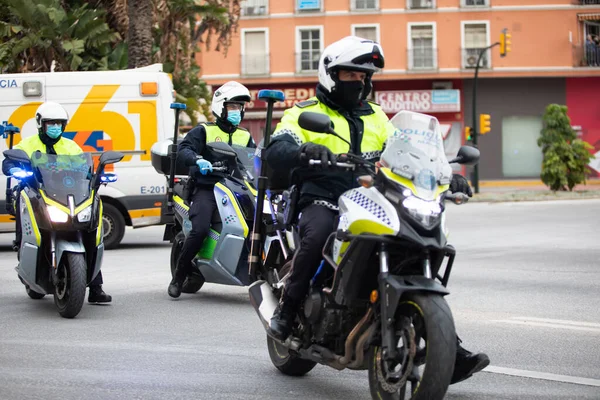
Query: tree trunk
{"type": "Point", "coordinates": [140, 33]}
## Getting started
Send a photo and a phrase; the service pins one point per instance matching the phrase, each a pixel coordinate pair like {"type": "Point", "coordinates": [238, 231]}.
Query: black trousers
{"type": "Point", "coordinates": [315, 225]}
{"type": "Point", "coordinates": [202, 207]}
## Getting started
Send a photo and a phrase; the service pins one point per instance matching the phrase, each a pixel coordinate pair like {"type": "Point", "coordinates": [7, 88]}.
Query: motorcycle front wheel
{"type": "Point", "coordinates": [69, 292]}
{"type": "Point", "coordinates": [426, 348]}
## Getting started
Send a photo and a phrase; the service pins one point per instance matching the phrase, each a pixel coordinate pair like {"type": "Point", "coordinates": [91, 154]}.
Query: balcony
{"type": "Point", "coordinates": [469, 58]}
{"type": "Point", "coordinates": [586, 56]}
{"type": "Point", "coordinates": [255, 65]}
{"type": "Point", "coordinates": [586, 2]}
{"type": "Point", "coordinates": [307, 62]}
{"type": "Point", "coordinates": [420, 4]}
{"type": "Point", "coordinates": [253, 8]}
{"type": "Point", "coordinates": [422, 59]}
{"type": "Point", "coordinates": [365, 5]}
{"type": "Point", "coordinates": [474, 3]}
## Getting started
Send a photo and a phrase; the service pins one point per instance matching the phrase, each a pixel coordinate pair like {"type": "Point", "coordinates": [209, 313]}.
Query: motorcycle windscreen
{"type": "Point", "coordinates": [245, 155]}
{"type": "Point", "coordinates": [64, 175]}
{"type": "Point", "coordinates": [416, 151]}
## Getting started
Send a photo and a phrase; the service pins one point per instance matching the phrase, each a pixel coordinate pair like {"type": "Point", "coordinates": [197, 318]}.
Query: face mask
{"type": "Point", "coordinates": [234, 116]}
{"type": "Point", "coordinates": [348, 93]}
{"type": "Point", "coordinates": [54, 131]}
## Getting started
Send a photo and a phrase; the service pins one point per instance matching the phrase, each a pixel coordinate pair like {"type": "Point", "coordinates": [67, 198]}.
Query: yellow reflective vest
{"type": "Point", "coordinates": [63, 147]}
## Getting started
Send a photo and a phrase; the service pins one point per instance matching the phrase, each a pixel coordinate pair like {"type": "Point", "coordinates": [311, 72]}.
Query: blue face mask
{"type": "Point", "coordinates": [54, 131]}
{"type": "Point", "coordinates": [234, 116]}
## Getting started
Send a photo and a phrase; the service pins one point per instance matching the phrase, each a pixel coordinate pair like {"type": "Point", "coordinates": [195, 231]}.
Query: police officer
{"type": "Point", "coordinates": [228, 107]}
{"type": "Point", "coordinates": [345, 71]}
{"type": "Point", "coordinates": [51, 119]}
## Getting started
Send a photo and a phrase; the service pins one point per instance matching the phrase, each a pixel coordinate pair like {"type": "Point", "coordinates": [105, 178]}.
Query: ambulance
{"type": "Point", "coordinates": [126, 111]}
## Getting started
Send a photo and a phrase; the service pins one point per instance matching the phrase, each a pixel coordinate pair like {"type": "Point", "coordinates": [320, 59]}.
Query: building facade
{"type": "Point", "coordinates": [431, 49]}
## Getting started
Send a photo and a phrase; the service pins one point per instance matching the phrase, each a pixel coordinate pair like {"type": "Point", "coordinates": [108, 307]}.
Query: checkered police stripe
{"type": "Point", "coordinates": [368, 205]}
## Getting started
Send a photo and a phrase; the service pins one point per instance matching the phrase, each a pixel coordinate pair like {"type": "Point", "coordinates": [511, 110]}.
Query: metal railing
{"type": "Point", "coordinates": [474, 3]}
{"type": "Point", "coordinates": [251, 8]}
{"type": "Point", "coordinates": [586, 56]}
{"type": "Point", "coordinates": [307, 61]}
{"type": "Point", "coordinates": [420, 4]}
{"type": "Point", "coordinates": [586, 2]}
{"type": "Point", "coordinates": [255, 64]}
{"type": "Point", "coordinates": [469, 58]}
{"type": "Point", "coordinates": [360, 5]}
{"type": "Point", "coordinates": [422, 59]}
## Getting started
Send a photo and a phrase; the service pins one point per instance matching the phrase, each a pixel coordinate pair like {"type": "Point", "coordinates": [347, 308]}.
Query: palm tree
{"type": "Point", "coordinates": [37, 34]}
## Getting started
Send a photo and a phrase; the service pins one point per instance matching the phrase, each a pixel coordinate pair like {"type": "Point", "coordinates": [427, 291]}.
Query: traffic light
{"type": "Point", "coordinates": [485, 125]}
{"type": "Point", "coordinates": [468, 132]}
{"type": "Point", "coordinates": [504, 42]}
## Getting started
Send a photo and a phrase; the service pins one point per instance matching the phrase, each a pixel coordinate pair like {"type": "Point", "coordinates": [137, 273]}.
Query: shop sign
{"type": "Point", "coordinates": [292, 96]}
{"type": "Point", "coordinates": [425, 101]}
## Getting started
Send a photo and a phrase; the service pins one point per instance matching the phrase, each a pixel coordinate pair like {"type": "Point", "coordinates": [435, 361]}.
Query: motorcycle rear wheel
{"type": "Point", "coordinates": [286, 362]}
{"type": "Point", "coordinates": [431, 322]}
{"type": "Point", "coordinates": [69, 293]}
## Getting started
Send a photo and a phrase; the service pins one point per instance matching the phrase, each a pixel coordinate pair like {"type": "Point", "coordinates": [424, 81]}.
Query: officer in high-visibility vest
{"type": "Point", "coordinates": [345, 71]}
{"type": "Point", "coordinates": [51, 119]}
{"type": "Point", "coordinates": [228, 107]}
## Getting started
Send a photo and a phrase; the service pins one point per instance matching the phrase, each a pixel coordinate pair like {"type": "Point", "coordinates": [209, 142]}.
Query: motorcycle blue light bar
{"type": "Point", "coordinates": [178, 106]}
{"type": "Point", "coordinates": [266, 95]}
{"type": "Point", "coordinates": [108, 178]}
{"type": "Point", "coordinates": [22, 174]}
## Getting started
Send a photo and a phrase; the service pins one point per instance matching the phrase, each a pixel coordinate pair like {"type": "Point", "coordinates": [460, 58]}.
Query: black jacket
{"type": "Point", "coordinates": [194, 145]}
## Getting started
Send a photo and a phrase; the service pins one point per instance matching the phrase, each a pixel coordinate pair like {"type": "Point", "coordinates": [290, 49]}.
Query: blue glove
{"type": "Point", "coordinates": [204, 166]}
{"type": "Point", "coordinates": [13, 170]}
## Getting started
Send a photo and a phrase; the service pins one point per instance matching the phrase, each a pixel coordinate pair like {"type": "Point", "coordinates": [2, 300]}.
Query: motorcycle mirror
{"type": "Point", "coordinates": [315, 122]}
{"type": "Point", "coordinates": [111, 157]}
{"type": "Point", "coordinates": [222, 148]}
{"type": "Point", "coordinates": [467, 155]}
{"type": "Point", "coordinates": [17, 155]}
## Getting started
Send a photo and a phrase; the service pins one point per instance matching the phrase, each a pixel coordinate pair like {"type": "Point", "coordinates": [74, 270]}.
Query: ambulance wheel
{"type": "Point", "coordinates": [113, 224]}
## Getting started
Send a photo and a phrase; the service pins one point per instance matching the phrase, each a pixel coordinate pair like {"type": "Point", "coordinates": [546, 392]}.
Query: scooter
{"type": "Point", "coordinates": [223, 256]}
{"type": "Point", "coordinates": [60, 214]}
{"type": "Point", "coordinates": [377, 301]}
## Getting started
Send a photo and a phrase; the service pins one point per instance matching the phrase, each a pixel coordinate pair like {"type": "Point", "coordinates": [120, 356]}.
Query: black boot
{"type": "Point", "coordinates": [467, 363]}
{"type": "Point", "coordinates": [283, 319]}
{"type": "Point", "coordinates": [97, 295]}
{"type": "Point", "coordinates": [177, 282]}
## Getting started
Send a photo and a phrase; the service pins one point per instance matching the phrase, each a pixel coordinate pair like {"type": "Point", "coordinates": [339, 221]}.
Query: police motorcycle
{"type": "Point", "coordinates": [223, 256]}
{"type": "Point", "coordinates": [377, 300]}
{"type": "Point", "coordinates": [60, 213]}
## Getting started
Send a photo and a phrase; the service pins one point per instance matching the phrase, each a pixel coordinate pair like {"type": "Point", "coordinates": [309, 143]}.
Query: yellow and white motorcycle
{"type": "Point", "coordinates": [377, 301]}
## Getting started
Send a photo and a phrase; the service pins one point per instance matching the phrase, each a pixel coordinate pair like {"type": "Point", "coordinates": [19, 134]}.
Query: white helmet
{"type": "Point", "coordinates": [351, 53]}
{"type": "Point", "coordinates": [50, 111]}
{"type": "Point", "coordinates": [230, 92]}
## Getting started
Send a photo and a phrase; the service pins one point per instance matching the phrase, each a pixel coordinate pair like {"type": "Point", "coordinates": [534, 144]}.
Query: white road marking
{"type": "Point", "coordinates": [553, 323]}
{"type": "Point", "coordinates": [544, 376]}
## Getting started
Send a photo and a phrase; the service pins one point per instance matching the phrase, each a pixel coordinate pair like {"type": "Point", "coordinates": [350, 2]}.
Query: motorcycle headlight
{"type": "Point", "coordinates": [57, 215]}
{"type": "Point", "coordinates": [426, 212]}
{"type": "Point", "coordinates": [85, 215]}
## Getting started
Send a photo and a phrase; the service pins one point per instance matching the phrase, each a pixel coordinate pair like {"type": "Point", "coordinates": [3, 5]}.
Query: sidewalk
{"type": "Point", "coordinates": [532, 190]}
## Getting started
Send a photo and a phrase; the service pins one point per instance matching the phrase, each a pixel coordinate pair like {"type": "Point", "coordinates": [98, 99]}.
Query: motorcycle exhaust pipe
{"type": "Point", "coordinates": [263, 300]}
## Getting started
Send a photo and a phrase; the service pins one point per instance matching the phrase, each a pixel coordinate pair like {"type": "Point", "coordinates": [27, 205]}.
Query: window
{"type": "Point", "coordinates": [309, 42]}
{"type": "Point", "coordinates": [475, 39]}
{"type": "Point", "coordinates": [422, 53]}
{"type": "Point", "coordinates": [365, 4]}
{"type": "Point", "coordinates": [255, 52]}
{"type": "Point", "coordinates": [420, 4]}
{"type": "Point", "coordinates": [252, 8]}
{"type": "Point", "coordinates": [521, 156]}
{"type": "Point", "coordinates": [308, 5]}
{"type": "Point", "coordinates": [370, 32]}
{"type": "Point", "coordinates": [475, 3]}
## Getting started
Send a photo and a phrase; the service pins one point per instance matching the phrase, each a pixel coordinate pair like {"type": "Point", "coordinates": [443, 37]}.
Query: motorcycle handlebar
{"type": "Point", "coordinates": [339, 164]}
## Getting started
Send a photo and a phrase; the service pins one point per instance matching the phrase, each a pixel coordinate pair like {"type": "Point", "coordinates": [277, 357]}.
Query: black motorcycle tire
{"type": "Point", "coordinates": [192, 283]}
{"type": "Point", "coordinates": [33, 294]}
{"type": "Point", "coordinates": [286, 362]}
{"type": "Point", "coordinates": [76, 269]}
{"type": "Point", "coordinates": [440, 352]}
{"type": "Point", "coordinates": [113, 217]}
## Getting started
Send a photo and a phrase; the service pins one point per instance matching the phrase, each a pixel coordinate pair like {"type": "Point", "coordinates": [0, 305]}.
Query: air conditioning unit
{"type": "Point", "coordinates": [471, 61]}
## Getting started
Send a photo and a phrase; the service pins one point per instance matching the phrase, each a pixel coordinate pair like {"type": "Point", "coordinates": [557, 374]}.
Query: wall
{"type": "Point", "coordinates": [504, 98]}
